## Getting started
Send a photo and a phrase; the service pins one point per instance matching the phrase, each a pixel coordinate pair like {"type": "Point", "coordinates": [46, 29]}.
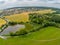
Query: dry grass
{"type": "Point", "coordinates": [2, 22]}
{"type": "Point", "coordinates": [18, 17]}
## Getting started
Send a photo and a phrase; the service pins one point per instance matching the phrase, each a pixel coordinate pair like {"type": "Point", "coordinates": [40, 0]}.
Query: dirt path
{"type": "Point", "coordinates": [44, 40]}
{"type": "Point", "coordinates": [3, 37]}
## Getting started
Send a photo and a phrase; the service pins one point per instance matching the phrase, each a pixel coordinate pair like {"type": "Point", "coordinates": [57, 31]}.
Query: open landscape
{"type": "Point", "coordinates": [30, 26]}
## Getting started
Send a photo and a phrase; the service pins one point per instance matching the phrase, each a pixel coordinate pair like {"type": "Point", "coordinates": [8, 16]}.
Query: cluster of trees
{"type": "Point", "coordinates": [14, 23]}
{"type": "Point", "coordinates": [46, 20]}
{"type": "Point", "coordinates": [36, 18]}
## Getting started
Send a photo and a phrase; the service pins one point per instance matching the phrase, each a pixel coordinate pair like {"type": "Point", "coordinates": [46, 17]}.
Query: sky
{"type": "Point", "coordinates": [21, 3]}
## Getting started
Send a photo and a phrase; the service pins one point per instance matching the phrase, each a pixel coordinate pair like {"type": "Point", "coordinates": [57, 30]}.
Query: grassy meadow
{"type": "Point", "coordinates": [45, 36]}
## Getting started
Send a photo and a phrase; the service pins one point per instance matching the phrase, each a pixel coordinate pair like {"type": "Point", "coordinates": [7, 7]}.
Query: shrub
{"type": "Point", "coordinates": [21, 32]}
{"type": "Point", "coordinates": [12, 23]}
{"type": "Point", "coordinates": [12, 34]}
{"type": "Point", "coordinates": [57, 25]}
{"type": "Point", "coordinates": [56, 18]}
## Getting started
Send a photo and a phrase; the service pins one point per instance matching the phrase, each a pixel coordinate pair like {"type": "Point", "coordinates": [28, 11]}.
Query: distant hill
{"type": "Point", "coordinates": [17, 10]}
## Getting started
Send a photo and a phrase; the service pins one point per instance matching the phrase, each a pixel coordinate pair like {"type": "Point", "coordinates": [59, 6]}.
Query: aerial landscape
{"type": "Point", "coordinates": [29, 25]}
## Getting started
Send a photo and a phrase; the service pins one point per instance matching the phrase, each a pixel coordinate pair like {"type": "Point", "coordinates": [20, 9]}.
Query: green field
{"type": "Point", "coordinates": [45, 36]}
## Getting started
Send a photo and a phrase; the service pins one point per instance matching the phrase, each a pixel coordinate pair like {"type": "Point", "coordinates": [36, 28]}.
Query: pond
{"type": "Point", "coordinates": [12, 29]}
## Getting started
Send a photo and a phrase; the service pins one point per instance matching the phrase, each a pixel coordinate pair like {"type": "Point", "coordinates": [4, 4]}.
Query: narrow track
{"type": "Point", "coordinates": [7, 22]}
{"type": "Point", "coordinates": [44, 40]}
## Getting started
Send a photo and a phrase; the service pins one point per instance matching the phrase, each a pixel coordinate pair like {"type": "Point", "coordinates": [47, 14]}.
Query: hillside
{"type": "Point", "coordinates": [30, 26]}
{"type": "Point", "coordinates": [46, 36]}
{"type": "Point", "coordinates": [24, 17]}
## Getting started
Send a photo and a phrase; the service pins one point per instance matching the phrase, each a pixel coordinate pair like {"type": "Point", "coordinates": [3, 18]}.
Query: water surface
{"type": "Point", "coordinates": [12, 29]}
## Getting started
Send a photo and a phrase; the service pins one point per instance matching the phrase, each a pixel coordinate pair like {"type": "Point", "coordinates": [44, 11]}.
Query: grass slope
{"type": "Point", "coordinates": [46, 36]}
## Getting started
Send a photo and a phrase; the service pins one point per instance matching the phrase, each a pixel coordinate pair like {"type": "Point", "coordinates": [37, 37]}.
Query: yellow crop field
{"type": "Point", "coordinates": [18, 17]}
{"type": "Point", "coordinates": [2, 22]}
{"type": "Point", "coordinates": [44, 11]}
